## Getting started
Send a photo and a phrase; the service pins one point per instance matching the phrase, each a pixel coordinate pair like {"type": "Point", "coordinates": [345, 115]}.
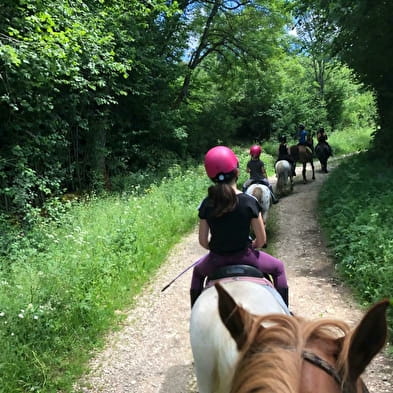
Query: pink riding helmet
{"type": "Point", "coordinates": [255, 150]}
{"type": "Point", "coordinates": [220, 160]}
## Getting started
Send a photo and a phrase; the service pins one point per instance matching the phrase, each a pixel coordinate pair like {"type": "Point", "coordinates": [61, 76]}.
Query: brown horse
{"type": "Point", "coordinates": [304, 155]}
{"type": "Point", "coordinates": [278, 353]}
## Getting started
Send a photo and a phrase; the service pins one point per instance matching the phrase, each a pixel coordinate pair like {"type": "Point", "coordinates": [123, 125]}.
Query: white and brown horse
{"type": "Point", "coordinates": [244, 342]}
{"type": "Point", "coordinates": [264, 197]}
{"type": "Point", "coordinates": [284, 175]}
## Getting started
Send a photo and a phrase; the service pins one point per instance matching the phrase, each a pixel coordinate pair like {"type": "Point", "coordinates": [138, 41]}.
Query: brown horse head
{"type": "Point", "coordinates": [286, 354]}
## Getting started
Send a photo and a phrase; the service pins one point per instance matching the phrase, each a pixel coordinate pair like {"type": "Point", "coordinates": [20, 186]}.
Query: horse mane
{"type": "Point", "coordinates": [257, 193]}
{"type": "Point", "coordinates": [277, 350]}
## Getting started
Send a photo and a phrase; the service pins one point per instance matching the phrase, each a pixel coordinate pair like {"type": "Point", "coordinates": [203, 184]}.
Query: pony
{"type": "Point", "coordinates": [251, 345]}
{"type": "Point", "coordinates": [284, 175]}
{"type": "Point", "coordinates": [304, 155]}
{"type": "Point", "coordinates": [263, 196]}
{"type": "Point", "coordinates": [323, 152]}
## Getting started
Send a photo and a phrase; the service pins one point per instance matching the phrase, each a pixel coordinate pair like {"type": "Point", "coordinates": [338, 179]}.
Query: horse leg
{"type": "Point", "coordinates": [325, 168]}
{"type": "Point", "coordinates": [313, 170]}
{"type": "Point", "coordinates": [304, 173]}
{"type": "Point", "coordinates": [323, 162]}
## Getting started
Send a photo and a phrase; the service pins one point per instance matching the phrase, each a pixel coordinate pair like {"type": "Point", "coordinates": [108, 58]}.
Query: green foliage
{"type": "Point", "coordinates": [65, 67]}
{"type": "Point", "coordinates": [61, 283]}
{"type": "Point", "coordinates": [95, 91]}
{"type": "Point", "coordinates": [355, 212]}
{"type": "Point", "coordinates": [350, 140]}
{"type": "Point", "coordinates": [362, 39]}
{"type": "Point", "coordinates": [344, 104]}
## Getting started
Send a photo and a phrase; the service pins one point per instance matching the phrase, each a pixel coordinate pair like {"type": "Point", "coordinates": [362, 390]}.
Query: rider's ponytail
{"type": "Point", "coordinates": [223, 197]}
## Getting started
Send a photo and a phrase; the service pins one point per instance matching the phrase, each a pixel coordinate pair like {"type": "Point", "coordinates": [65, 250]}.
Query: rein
{"type": "Point", "coordinates": [325, 366]}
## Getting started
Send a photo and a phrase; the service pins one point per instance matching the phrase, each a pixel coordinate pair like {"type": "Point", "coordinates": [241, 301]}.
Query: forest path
{"type": "Point", "coordinates": [151, 352]}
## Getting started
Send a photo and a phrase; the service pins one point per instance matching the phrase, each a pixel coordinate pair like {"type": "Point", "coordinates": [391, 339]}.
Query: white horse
{"type": "Point", "coordinates": [214, 350]}
{"type": "Point", "coordinates": [284, 177]}
{"type": "Point", "coordinates": [243, 341]}
{"type": "Point", "coordinates": [264, 197]}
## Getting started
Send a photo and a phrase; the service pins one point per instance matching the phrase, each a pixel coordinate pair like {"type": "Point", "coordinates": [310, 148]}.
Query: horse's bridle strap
{"type": "Point", "coordinates": [329, 369]}
{"type": "Point", "coordinates": [322, 364]}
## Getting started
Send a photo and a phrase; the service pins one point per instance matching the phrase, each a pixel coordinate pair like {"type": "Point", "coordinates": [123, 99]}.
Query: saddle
{"type": "Point", "coordinates": [305, 149]}
{"type": "Point", "coordinates": [239, 272]}
{"type": "Point", "coordinates": [235, 271]}
{"type": "Point", "coordinates": [263, 182]}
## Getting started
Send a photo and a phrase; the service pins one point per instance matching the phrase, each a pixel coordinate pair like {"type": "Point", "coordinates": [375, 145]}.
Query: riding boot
{"type": "Point", "coordinates": [274, 198]}
{"type": "Point", "coordinates": [194, 293]}
{"type": "Point", "coordinates": [284, 294]}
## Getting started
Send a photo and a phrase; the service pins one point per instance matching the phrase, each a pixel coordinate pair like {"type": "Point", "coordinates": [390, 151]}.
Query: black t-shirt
{"type": "Point", "coordinates": [255, 167]}
{"type": "Point", "coordinates": [230, 232]}
{"type": "Point", "coordinates": [282, 150]}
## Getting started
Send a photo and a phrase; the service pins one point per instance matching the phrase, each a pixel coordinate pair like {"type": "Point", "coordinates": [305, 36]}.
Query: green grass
{"type": "Point", "coordinates": [64, 281]}
{"type": "Point", "coordinates": [357, 216]}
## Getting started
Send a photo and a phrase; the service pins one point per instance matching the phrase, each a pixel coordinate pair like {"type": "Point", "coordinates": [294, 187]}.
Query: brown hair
{"type": "Point", "coordinates": [223, 197]}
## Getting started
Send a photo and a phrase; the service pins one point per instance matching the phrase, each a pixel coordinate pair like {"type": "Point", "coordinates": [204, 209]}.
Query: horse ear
{"type": "Point", "coordinates": [233, 316]}
{"type": "Point", "coordinates": [367, 340]}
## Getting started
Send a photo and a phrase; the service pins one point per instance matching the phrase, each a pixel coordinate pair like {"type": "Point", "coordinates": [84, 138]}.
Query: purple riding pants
{"type": "Point", "coordinates": [259, 259]}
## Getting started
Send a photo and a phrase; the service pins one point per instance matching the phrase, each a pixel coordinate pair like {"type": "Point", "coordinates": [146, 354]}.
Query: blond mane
{"type": "Point", "coordinates": [277, 350]}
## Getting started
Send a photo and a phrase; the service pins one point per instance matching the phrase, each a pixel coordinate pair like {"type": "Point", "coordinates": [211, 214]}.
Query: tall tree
{"type": "Point", "coordinates": [241, 28]}
{"type": "Point", "coordinates": [364, 40]}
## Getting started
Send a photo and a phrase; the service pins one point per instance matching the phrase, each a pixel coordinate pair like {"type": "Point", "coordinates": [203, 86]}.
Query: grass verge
{"type": "Point", "coordinates": [357, 217]}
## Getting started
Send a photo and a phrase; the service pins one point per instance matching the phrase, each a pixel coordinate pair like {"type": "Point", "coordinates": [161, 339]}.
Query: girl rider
{"type": "Point", "coordinates": [227, 214]}
{"type": "Point", "coordinates": [257, 171]}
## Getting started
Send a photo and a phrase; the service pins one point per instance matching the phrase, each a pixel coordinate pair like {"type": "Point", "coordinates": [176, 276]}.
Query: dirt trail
{"type": "Point", "coordinates": [151, 351]}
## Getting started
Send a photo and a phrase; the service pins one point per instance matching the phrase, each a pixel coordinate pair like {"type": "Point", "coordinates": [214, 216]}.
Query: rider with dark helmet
{"type": "Point", "coordinates": [322, 138]}
{"type": "Point", "coordinates": [257, 171]}
{"type": "Point", "coordinates": [283, 153]}
{"type": "Point", "coordinates": [225, 218]}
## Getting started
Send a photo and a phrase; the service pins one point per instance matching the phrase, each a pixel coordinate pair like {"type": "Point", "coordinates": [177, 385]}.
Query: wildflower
{"type": "Point", "coordinates": [20, 315]}
{"type": "Point", "coordinates": [2, 314]}
{"type": "Point", "coordinates": [35, 317]}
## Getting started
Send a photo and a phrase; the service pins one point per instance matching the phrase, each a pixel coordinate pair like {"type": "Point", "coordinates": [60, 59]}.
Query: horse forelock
{"type": "Point", "coordinates": [272, 359]}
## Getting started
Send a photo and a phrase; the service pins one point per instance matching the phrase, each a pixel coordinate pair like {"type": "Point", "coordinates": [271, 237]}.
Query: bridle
{"type": "Point", "coordinates": [329, 369]}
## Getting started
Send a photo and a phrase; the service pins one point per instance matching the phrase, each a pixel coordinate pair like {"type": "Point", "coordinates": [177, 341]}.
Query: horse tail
{"type": "Point", "coordinates": [282, 176]}
{"type": "Point", "coordinates": [294, 152]}
{"type": "Point", "coordinates": [280, 182]}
